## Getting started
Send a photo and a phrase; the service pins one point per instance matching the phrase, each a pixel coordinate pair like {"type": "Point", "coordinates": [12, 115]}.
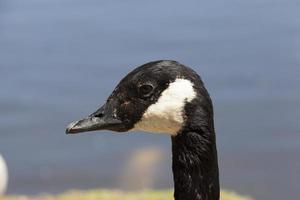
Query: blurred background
{"type": "Point", "coordinates": [60, 59]}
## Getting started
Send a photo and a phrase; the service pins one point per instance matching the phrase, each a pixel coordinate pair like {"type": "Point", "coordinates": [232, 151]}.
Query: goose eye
{"type": "Point", "coordinates": [145, 90]}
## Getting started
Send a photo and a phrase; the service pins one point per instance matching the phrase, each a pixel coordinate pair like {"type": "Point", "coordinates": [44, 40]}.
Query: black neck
{"type": "Point", "coordinates": [195, 165]}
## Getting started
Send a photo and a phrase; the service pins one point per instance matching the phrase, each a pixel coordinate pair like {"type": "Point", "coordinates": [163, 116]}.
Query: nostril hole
{"type": "Point", "coordinates": [99, 115]}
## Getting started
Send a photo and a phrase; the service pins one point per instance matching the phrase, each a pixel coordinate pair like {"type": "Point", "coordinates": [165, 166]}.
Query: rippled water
{"type": "Point", "coordinates": [59, 60]}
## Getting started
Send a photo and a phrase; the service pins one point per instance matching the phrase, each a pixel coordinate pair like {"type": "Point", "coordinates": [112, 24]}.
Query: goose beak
{"type": "Point", "coordinates": [102, 119]}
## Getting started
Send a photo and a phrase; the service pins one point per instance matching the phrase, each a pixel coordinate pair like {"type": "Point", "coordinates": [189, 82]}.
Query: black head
{"type": "Point", "coordinates": [150, 98]}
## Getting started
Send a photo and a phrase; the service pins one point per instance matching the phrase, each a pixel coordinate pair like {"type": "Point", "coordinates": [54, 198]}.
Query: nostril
{"type": "Point", "coordinates": [99, 115]}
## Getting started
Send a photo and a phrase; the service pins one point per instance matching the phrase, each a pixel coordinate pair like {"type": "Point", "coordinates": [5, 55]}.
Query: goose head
{"type": "Point", "coordinates": [151, 98]}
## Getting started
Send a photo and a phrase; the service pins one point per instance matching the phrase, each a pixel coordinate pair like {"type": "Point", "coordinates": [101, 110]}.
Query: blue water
{"type": "Point", "coordinates": [60, 59]}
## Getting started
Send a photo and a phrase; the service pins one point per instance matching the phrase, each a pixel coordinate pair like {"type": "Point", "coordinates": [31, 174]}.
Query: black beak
{"type": "Point", "coordinates": [102, 119]}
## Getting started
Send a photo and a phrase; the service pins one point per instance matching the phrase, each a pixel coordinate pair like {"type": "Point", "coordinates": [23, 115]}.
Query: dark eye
{"type": "Point", "coordinates": [145, 90]}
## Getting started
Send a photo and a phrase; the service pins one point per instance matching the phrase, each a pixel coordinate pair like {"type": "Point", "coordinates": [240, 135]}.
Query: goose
{"type": "Point", "coordinates": [3, 176]}
{"type": "Point", "coordinates": [166, 97]}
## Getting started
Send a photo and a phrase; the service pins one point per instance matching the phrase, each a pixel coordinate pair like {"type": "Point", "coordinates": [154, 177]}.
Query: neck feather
{"type": "Point", "coordinates": [195, 165]}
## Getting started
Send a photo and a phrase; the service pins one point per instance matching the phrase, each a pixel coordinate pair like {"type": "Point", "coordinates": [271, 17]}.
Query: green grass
{"type": "Point", "coordinates": [117, 195]}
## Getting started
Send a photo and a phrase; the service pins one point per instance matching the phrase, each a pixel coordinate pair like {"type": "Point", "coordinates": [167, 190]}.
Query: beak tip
{"type": "Point", "coordinates": [70, 128]}
{"type": "Point", "coordinates": [68, 131]}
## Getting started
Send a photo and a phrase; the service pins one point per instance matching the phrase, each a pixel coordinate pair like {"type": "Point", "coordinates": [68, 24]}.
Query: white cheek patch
{"type": "Point", "coordinates": [166, 115]}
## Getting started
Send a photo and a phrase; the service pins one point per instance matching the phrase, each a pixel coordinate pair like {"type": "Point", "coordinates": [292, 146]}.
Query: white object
{"type": "Point", "coordinates": [3, 176]}
{"type": "Point", "coordinates": [165, 116]}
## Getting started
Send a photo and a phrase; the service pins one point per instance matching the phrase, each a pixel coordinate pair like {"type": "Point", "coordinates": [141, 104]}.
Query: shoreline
{"type": "Point", "coordinates": [105, 194]}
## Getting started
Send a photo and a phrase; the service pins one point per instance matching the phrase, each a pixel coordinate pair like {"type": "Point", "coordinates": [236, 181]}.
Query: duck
{"type": "Point", "coordinates": [166, 97]}
{"type": "Point", "coordinates": [3, 176]}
